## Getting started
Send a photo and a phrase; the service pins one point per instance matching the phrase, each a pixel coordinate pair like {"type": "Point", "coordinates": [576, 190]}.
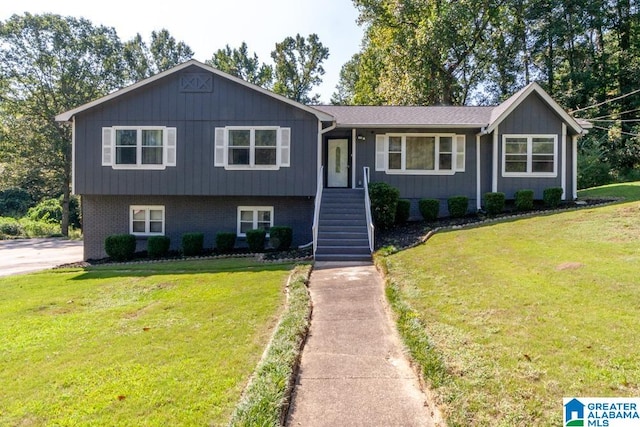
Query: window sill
{"type": "Point", "coordinates": [529, 175]}
{"type": "Point", "coordinates": [417, 172]}
{"type": "Point", "coordinates": [252, 168]}
{"type": "Point", "coordinates": [141, 167]}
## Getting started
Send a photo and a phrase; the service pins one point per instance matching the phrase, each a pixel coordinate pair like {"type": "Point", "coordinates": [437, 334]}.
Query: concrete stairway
{"type": "Point", "coordinates": [342, 226]}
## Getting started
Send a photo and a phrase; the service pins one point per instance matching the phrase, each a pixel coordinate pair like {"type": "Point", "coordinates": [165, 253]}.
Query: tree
{"type": "Point", "coordinates": [298, 67]}
{"type": "Point", "coordinates": [163, 53]}
{"type": "Point", "coordinates": [50, 64]}
{"type": "Point", "coordinates": [239, 63]}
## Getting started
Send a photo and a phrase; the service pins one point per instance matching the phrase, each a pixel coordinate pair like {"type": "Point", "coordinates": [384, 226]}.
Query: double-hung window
{"type": "Point", "coordinates": [141, 147]}
{"type": "Point", "coordinates": [260, 147]}
{"type": "Point", "coordinates": [420, 154]}
{"type": "Point", "coordinates": [529, 155]}
{"type": "Point", "coordinates": [254, 217]}
{"type": "Point", "coordinates": [146, 220]}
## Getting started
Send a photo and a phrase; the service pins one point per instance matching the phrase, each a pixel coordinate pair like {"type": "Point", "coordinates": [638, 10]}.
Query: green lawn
{"type": "Point", "coordinates": [148, 345]}
{"type": "Point", "coordinates": [519, 314]}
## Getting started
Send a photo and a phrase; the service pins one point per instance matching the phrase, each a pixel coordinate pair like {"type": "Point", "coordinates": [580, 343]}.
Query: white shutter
{"type": "Point", "coordinates": [218, 155]}
{"type": "Point", "coordinates": [107, 147]}
{"type": "Point", "coordinates": [285, 147]}
{"type": "Point", "coordinates": [460, 153]}
{"type": "Point", "coordinates": [170, 147]}
{"type": "Point", "coordinates": [381, 153]}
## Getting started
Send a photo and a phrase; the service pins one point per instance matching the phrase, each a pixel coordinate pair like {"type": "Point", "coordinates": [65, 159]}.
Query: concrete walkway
{"type": "Point", "coordinates": [353, 371]}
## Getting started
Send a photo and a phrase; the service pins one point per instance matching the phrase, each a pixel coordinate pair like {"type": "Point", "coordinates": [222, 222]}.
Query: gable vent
{"type": "Point", "coordinates": [196, 82]}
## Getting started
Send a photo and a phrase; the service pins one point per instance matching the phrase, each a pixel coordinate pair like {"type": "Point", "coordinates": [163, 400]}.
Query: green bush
{"type": "Point", "coordinates": [458, 206]}
{"type": "Point", "coordinates": [31, 228]}
{"type": "Point", "coordinates": [494, 203]}
{"type": "Point", "coordinates": [429, 209]}
{"type": "Point", "coordinates": [225, 241]}
{"type": "Point", "coordinates": [524, 200]}
{"type": "Point", "coordinates": [256, 239]}
{"type": "Point", "coordinates": [15, 202]}
{"type": "Point", "coordinates": [9, 227]}
{"type": "Point", "coordinates": [403, 211]}
{"type": "Point", "coordinates": [281, 238]}
{"type": "Point", "coordinates": [75, 212]}
{"type": "Point", "coordinates": [384, 201]}
{"type": "Point", "coordinates": [48, 210]}
{"type": "Point", "coordinates": [192, 244]}
{"type": "Point", "coordinates": [158, 246]}
{"type": "Point", "coordinates": [120, 247]}
{"type": "Point", "coordinates": [552, 196]}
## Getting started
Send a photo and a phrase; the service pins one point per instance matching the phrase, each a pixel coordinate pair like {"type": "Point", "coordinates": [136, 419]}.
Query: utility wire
{"type": "Point", "coordinates": [614, 114]}
{"type": "Point", "coordinates": [621, 132]}
{"type": "Point", "coordinates": [614, 120]}
{"type": "Point", "coordinates": [606, 102]}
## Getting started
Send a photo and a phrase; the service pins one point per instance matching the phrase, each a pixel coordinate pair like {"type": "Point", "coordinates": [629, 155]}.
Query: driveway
{"type": "Point", "coordinates": [28, 255]}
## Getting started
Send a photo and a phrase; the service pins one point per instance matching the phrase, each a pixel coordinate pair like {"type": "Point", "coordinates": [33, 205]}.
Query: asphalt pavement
{"type": "Point", "coordinates": [29, 255]}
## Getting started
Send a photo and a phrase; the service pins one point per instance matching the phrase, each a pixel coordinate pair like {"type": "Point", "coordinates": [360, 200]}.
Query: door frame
{"type": "Point", "coordinates": [349, 161]}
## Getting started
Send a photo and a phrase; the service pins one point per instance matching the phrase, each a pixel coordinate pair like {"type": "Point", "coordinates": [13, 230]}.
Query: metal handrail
{"type": "Point", "coordinates": [316, 213]}
{"type": "Point", "coordinates": [367, 207]}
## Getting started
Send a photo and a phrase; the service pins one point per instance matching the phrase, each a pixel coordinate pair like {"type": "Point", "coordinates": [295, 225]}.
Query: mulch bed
{"type": "Point", "coordinates": [412, 233]}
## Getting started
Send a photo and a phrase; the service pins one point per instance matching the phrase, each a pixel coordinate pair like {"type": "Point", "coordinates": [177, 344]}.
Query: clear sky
{"type": "Point", "coordinates": [207, 25]}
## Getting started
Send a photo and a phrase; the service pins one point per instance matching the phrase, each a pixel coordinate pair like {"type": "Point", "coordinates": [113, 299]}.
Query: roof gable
{"type": "Point", "coordinates": [67, 115]}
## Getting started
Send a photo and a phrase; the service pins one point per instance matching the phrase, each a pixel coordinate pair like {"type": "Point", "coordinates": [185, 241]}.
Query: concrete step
{"type": "Point", "coordinates": [340, 250]}
{"type": "Point", "coordinates": [343, 242]}
{"type": "Point", "coordinates": [342, 257]}
{"type": "Point", "coordinates": [343, 235]}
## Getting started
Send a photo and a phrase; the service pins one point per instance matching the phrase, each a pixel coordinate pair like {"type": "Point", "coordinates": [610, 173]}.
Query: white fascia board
{"type": "Point", "coordinates": [409, 126]}
{"type": "Point", "coordinates": [534, 87]}
{"type": "Point", "coordinates": [66, 116]}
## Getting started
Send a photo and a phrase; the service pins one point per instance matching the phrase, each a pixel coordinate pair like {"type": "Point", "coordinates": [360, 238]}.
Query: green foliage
{"type": "Point", "coordinates": [280, 238]}
{"type": "Point", "coordinates": [494, 203]}
{"type": "Point", "coordinates": [158, 246]}
{"type": "Point", "coordinates": [9, 227]}
{"type": "Point", "coordinates": [75, 211]}
{"type": "Point", "coordinates": [256, 239]}
{"type": "Point", "coordinates": [552, 196]}
{"type": "Point", "coordinates": [524, 200]}
{"type": "Point", "coordinates": [48, 210]}
{"type": "Point", "coordinates": [239, 63]}
{"type": "Point", "coordinates": [429, 209]}
{"type": "Point", "coordinates": [192, 244]}
{"type": "Point", "coordinates": [458, 206]}
{"type": "Point", "coordinates": [14, 202]}
{"type": "Point", "coordinates": [298, 67]}
{"type": "Point", "coordinates": [120, 247]}
{"type": "Point", "coordinates": [164, 52]}
{"type": "Point", "coordinates": [225, 241]}
{"type": "Point", "coordinates": [403, 211]}
{"type": "Point", "coordinates": [384, 201]}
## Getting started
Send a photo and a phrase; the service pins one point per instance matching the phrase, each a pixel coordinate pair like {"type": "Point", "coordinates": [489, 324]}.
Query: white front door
{"type": "Point", "coordinates": [338, 163]}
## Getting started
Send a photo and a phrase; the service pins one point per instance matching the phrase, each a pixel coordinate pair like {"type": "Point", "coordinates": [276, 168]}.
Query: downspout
{"type": "Point", "coordinates": [73, 155]}
{"type": "Point", "coordinates": [353, 158]}
{"type": "Point", "coordinates": [563, 177]}
{"type": "Point", "coordinates": [478, 175]}
{"type": "Point", "coordinates": [494, 183]}
{"type": "Point", "coordinates": [574, 164]}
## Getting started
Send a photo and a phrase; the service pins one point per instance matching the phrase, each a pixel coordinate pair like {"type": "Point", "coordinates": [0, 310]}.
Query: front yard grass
{"type": "Point", "coordinates": [152, 344]}
{"type": "Point", "coordinates": [509, 318]}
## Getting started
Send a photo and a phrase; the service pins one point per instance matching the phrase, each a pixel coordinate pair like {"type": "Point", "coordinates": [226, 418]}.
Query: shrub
{"type": "Point", "coordinates": [494, 203]}
{"type": "Point", "coordinates": [48, 210]}
{"type": "Point", "coordinates": [458, 206]}
{"type": "Point", "coordinates": [524, 200]}
{"type": "Point", "coordinates": [14, 202]}
{"type": "Point", "coordinates": [75, 211]}
{"type": "Point", "coordinates": [552, 196]}
{"type": "Point", "coordinates": [158, 246]}
{"type": "Point", "coordinates": [403, 211]}
{"type": "Point", "coordinates": [31, 228]}
{"type": "Point", "coordinates": [429, 209]}
{"type": "Point", "coordinates": [120, 247]}
{"type": "Point", "coordinates": [281, 238]}
{"type": "Point", "coordinates": [256, 239]}
{"type": "Point", "coordinates": [9, 227]}
{"type": "Point", "coordinates": [225, 241]}
{"type": "Point", "coordinates": [384, 201]}
{"type": "Point", "coordinates": [192, 243]}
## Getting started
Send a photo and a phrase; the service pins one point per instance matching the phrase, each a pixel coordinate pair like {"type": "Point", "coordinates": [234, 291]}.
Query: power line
{"type": "Point", "coordinates": [621, 132]}
{"type": "Point", "coordinates": [606, 102]}
{"type": "Point", "coordinates": [614, 114]}
{"type": "Point", "coordinates": [614, 120]}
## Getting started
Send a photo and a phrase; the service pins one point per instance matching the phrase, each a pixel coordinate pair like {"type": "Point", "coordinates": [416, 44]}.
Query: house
{"type": "Point", "coordinates": [194, 149]}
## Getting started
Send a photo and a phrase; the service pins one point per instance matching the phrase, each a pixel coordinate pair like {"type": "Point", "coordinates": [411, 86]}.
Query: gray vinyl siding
{"type": "Point", "coordinates": [532, 116]}
{"type": "Point", "coordinates": [195, 115]}
{"type": "Point", "coordinates": [486, 164]}
{"type": "Point", "coordinates": [107, 215]}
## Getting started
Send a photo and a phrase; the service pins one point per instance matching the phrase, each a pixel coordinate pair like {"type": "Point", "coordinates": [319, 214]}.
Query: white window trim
{"type": "Point", "coordinates": [529, 173]}
{"type": "Point", "coordinates": [436, 170]}
{"type": "Point", "coordinates": [255, 210]}
{"type": "Point", "coordinates": [147, 219]}
{"type": "Point", "coordinates": [139, 165]}
{"type": "Point", "coordinates": [280, 148]}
